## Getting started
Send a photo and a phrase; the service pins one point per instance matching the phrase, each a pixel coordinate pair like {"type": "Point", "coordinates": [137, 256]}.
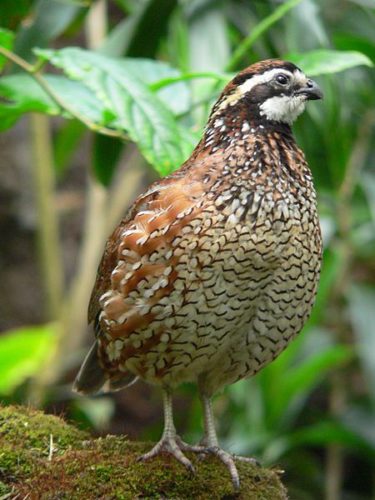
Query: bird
{"type": "Point", "coordinates": [214, 269]}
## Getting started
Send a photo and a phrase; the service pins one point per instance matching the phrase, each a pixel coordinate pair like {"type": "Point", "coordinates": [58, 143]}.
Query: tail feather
{"type": "Point", "coordinates": [92, 379]}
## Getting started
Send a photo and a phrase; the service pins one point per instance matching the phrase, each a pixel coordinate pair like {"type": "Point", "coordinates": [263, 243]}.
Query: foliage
{"type": "Point", "coordinates": [150, 81]}
{"type": "Point", "coordinates": [22, 352]}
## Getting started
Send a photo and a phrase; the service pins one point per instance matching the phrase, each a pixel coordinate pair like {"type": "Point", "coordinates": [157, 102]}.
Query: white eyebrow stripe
{"type": "Point", "coordinates": [266, 77]}
{"type": "Point", "coordinates": [263, 78]}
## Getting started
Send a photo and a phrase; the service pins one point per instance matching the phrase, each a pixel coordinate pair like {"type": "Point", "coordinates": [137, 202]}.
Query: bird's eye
{"type": "Point", "coordinates": [282, 79]}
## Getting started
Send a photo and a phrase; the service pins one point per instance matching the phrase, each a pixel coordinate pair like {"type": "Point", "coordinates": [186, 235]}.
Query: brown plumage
{"type": "Point", "coordinates": [215, 268]}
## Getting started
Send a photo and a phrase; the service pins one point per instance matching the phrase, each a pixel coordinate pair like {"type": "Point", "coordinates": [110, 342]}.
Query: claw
{"type": "Point", "coordinates": [229, 461]}
{"type": "Point", "coordinates": [248, 460]}
{"type": "Point", "coordinates": [171, 446]}
{"type": "Point", "coordinates": [198, 448]}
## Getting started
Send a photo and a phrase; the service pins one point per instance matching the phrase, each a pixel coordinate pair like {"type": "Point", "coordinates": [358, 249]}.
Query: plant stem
{"type": "Point", "coordinates": [48, 232]}
{"type": "Point", "coordinates": [48, 238]}
{"type": "Point", "coordinates": [93, 238]}
{"type": "Point", "coordinates": [258, 30]}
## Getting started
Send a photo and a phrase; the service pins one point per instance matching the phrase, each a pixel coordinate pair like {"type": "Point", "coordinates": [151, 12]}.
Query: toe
{"type": "Point", "coordinates": [228, 461]}
{"type": "Point", "coordinates": [171, 447]}
{"type": "Point", "coordinates": [248, 460]}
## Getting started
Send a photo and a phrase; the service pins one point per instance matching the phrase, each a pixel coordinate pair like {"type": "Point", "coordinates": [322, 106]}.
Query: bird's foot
{"type": "Point", "coordinates": [193, 448]}
{"type": "Point", "coordinates": [229, 461]}
{"type": "Point", "coordinates": [173, 445]}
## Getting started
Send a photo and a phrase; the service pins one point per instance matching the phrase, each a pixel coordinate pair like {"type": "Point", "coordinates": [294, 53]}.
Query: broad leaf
{"type": "Point", "coordinates": [161, 139]}
{"type": "Point", "coordinates": [298, 381]}
{"type": "Point", "coordinates": [22, 353]}
{"type": "Point", "coordinates": [328, 432]}
{"type": "Point", "coordinates": [323, 62]}
{"type": "Point", "coordinates": [175, 96]}
{"type": "Point", "coordinates": [21, 94]}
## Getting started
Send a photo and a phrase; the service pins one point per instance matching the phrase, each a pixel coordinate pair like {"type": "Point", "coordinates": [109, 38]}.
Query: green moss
{"type": "Point", "coordinates": [108, 467]}
{"type": "Point", "coordinates": [5, 489]}
{"type": "Point", "coordinates": [35, 429]}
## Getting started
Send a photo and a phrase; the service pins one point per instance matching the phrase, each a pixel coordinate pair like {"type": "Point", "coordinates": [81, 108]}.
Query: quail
{"type": "Point", "coordinates": [214, 269]}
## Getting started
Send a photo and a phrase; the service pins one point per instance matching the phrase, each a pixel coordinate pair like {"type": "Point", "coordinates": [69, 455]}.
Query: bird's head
{"type": "Point", "coordinates": [268, 91]}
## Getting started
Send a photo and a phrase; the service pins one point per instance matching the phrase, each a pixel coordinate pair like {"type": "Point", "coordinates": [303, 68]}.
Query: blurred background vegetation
{"type": "Point", "coordinates": [84, 132]}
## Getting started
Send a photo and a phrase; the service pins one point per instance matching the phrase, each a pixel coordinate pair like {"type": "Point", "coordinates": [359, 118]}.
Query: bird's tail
{"type": "Point", "coordinates": [92, 379]}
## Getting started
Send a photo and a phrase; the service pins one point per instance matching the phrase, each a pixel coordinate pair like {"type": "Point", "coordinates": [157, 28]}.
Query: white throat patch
{"type": "Point", "coordinates": [283, 108]}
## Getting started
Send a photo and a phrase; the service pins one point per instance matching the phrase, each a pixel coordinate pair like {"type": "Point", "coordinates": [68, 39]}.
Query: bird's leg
{"type": "Point", "coordinates": [211, 443]}
{"type": "Point", "coordinates": [170, 442]}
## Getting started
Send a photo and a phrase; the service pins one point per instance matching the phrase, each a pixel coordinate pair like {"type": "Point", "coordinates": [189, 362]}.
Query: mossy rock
{"type": "Point", "coordinates": [79, 467]}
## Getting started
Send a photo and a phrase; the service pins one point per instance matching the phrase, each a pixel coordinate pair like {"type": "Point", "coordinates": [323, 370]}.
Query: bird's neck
{"type": "Point", "coordinates": [247, 149]}
{"type": "Point", "coordinates": [227, 130]}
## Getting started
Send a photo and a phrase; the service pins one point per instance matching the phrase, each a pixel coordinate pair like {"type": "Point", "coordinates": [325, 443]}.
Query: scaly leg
{"type": "Point", "coordinates": [170, 442]}
{"type": "Point", "coordinates": [211, 443]}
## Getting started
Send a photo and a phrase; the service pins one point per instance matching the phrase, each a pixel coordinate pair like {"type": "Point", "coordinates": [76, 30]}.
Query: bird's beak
{"type": "Point", "coordinates": [311, 90]}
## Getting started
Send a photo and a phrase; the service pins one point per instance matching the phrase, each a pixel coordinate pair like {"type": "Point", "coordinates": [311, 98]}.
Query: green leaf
{"type": "Point", "coordinates": [106, 152]}
{"type": "Point", "coordinates": [139, 34]}
{"type": "Point", "coordinates": [176, 96]}
{"type": "Point", "coordinates": [300, 380]}
{"type": "Point", "coordinates": [12, 13]}
{"type": "Point", "coordinates": [207, 28]}
{"type": "Point", "coordinates": [49, 19]}
{"type": "Point", "coordinates": [323, 62]}
{"type": "Point", "coordinates": [329, 432]}
{"type": "Point", "coordinates": [22, 353]}
{"type": "Point", "coordinates": [22, 94]}
{"type": "Point", "coordinates": [163, 142]}
{"type": "Point", "coordinates": [6, 41]}
{"type": "Point", "coordinates": [346, 41]}
{"type": "Point", "coordinates": [258, 30]}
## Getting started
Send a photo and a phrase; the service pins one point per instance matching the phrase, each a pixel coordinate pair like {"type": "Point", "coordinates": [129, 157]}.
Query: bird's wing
{"type": "Point", "coordinates": [136, 270]}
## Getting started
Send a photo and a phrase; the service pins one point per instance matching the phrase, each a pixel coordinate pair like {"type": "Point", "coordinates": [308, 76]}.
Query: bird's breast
{"type": "Point", "coordinates": [267, 221]}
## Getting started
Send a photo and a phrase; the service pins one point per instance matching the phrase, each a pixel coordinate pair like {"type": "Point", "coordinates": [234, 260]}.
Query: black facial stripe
{"type": "Point", "coordinates": [264, 91]}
